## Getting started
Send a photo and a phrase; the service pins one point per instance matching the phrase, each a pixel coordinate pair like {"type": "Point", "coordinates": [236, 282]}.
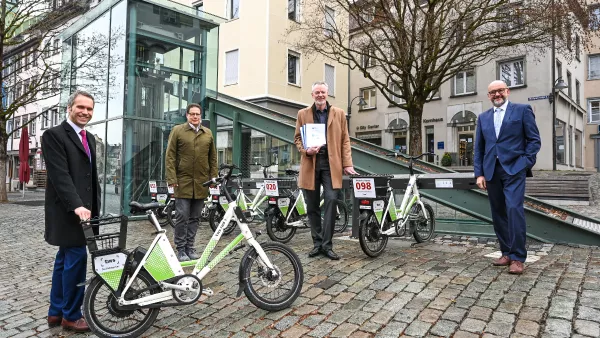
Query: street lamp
{"type": "Point", "coordinates": [361, 103]}
{"type": "Point", "coordinates": [558, 85]}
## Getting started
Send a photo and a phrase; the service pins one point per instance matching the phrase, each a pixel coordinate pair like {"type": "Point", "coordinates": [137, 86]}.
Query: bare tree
{"type": "Point", "coordinates": [33, 69]}
{"type": "Point", "coordinates": [408, 48]}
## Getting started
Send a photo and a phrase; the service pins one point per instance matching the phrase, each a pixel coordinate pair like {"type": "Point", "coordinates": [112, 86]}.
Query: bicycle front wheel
{"type": "Point", "coordinates": [107, 320]}
{"type": "Point", "coordinates": [423, 227]}
{"type": "Point", "coordinates": [272, 289]}
{"type": "Point", "coordinates": [341, 216]}
{"type": "Point", "coordinates": [214, 219]}
{"type": "Point", "coordinates": [171, 214]}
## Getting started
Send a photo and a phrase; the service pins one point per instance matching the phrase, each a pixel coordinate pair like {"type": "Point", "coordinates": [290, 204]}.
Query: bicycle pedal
{"type": "Point", "coordinates": [207, 291]}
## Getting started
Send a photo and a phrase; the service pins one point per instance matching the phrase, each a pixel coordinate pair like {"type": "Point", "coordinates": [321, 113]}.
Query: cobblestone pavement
{"type": "Point", "coordinates": [436, 289]}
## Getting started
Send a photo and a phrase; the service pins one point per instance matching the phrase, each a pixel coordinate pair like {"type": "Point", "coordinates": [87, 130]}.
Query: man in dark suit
{"type": "Point", "coordinates": [506, 145]}
{"type": "Point", "coordinates": [72, 195]}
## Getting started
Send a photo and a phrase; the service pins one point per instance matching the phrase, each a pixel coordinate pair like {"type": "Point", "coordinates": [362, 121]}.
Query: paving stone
{"type": "Point", "coordinates": [587, 328]}
{"type": "Point", "coordinates": [464, 334]}
{"type": "Point", "coordinates": [322, 330]}
{"type": "Point", "coordinates": [454, 314]}
{"type": "Point", "coordinates": [500, 329]}
{"type": "Point", "coordinates": [393, 329]}
{"type": "Point", "coordinates": [481, 313]}
{"type": "Point", "coordinates": [313, 320]}
{"type": "Point", "coordinates": [417, 328]}
{"type": "Point", "coordinates": [440, 303]}
{"type": "Point", "coordinates": [406, 315]}
{"type": "Point", "coordinates": [286, 322]}
{"type": "Point", "coordinates": [430, 315]}
{"type": "Point", "coordinates": [558, 327]}
{"type": "Point", "coordinates": [532, 314]}
{"type": "Point", "coordinates": [527, 327]}
{"type": "Point", "coordinates": [473, 325]}
{"type": "Point", "coordinates": [588, 313]}
{"type": "Point", "coordinates": [444, 328]}
{"type": "Point", "coordinates": [344, 330]}
{"type": "Point", "coordinates": [359, 317]}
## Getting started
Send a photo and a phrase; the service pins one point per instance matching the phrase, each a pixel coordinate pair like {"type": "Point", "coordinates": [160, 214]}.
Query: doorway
{"type": "Point", "coordinates": [430, 143]}
{"type": "Point", "coordinates": [465, 149]}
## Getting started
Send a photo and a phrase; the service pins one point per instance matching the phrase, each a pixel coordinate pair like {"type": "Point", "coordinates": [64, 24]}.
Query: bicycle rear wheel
{"type": "Point", "coordinates": [341, 216]}
{"type": "Point", "coordinates": [277, 229]}
{"type": "Point", "coordinates": [276, 289]}
{"type": "Point", "coordinates": [105, 318]}
{"type": "Point", "coordinates": [214, 218]}
{"type": "Point", "coordinates": [372, 241]}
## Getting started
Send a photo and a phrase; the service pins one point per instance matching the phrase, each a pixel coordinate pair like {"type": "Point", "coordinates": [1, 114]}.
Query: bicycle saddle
{"type": "Point", "coordinates": [137, 206]}
{"type": "Point", "coordinates": [291, 172]}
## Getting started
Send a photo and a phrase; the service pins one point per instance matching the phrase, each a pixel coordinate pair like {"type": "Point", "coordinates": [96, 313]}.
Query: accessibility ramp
{"type": "Point", "coordinates": [545, 222]}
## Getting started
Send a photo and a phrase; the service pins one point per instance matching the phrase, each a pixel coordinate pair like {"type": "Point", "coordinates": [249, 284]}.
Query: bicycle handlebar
{"type": "Point", "coordinates": [407, 156]}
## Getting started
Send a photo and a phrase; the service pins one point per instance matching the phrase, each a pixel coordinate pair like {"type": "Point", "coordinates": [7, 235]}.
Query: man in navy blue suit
{"type": "Point", "coordinates": [506, 144]}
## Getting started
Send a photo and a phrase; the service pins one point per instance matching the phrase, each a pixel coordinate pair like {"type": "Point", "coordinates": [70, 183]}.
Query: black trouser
{"type": "Point", "coordinates": [186, 222]}
{"type": "Point", "coordinates": [322, 233]}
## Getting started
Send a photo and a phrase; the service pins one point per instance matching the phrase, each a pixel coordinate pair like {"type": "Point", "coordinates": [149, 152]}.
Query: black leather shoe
{"type": "Point", "coordinates": [332, 255]}
{"type": "Point", "coordinates": [314, 252]}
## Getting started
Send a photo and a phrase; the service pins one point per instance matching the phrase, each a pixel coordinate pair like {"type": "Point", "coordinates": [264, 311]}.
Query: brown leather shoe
{"type": "Point", "coordinates": [54, 321]}
{"type": "Point", "coordinates": [502, 261]}
{"type": "Point", "coordinates": [78, 326]}
{"type": "Point", "coordinates": [516, 268]}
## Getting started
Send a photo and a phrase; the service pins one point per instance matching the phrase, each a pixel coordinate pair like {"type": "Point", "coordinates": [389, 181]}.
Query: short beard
{"type": "Point", "coordinates": [498, 105]}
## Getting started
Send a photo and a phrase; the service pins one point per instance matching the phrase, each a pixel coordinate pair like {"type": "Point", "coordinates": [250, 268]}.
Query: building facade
{"type": "Point", "coordinates": [449, 119]}
{"type": "Point", "coordinates": [592, 96]}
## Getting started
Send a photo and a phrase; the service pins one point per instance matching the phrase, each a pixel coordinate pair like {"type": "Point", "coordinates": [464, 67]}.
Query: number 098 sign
{"type": "Point", "coordinates": [364, 187]}
{"type": "Point", "coordinates": [271, 188]}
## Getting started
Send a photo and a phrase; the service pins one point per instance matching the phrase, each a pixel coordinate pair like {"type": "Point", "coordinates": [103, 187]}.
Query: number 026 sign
{"type": "Point", "coordinates": [271, 188]}
{"type": "Point", "coordinates": [364, 187]}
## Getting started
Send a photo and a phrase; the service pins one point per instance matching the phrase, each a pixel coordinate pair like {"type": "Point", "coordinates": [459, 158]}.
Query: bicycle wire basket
{"type": "Point", "coordinates": [105, 243]}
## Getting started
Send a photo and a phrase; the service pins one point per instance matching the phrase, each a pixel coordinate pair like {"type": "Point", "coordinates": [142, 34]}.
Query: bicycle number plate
{"type": "Point", "coordinates": [214, 190]}
{"type": "Point", "coordinates": [161, 198]}
{"type": "Point", "coordinates": [171, 190]}
{"type": "Point", "coordinates": [260, 185]}
{"type": "Point", "coordinates": [152, 185]}
{"type": "Point", "coordinates": [109, 263]}
{"type": "Point", "coordinates": [443, 183]}
{"type": "Point", "coordinates": [271, 188]}
{"type": "Point", "coordinates": [364, 187]}
{"type": "Point", "coordinates": [223, 200]}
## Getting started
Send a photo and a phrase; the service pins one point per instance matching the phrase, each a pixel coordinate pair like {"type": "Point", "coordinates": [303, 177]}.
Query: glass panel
{"type": "Point", "coordinates": [112, 188]}
{"type": "Point", "coordinates": [330, 78]}
{"type": "Point", "coordinates": [116, 91]}
{"type": "Point", "coordinates": [144, 147]}
{"type": "Point", "coordinates": [90, 63]}
{"type": "Point", "coordinates": [99, 133]}
{"type": "Point", "coordinates": [231, 67]}
{"type": "Point", "coordinates": [470, 81]}
{"type": "Point", "coordinates": [190, 93]}
{"type": "Point", "coordinates": [459, 83]}
{"type": "Point", "coordinates": [519, 75]}
{"type": "Point", "coordinates": [560, 142]}
{"type": "Point", "coordinates": [594, 111]}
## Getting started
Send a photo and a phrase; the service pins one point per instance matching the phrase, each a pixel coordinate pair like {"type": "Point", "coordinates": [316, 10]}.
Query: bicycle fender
{"type": "Point", "coordinates": [364, 215]}
{"type": "Point", "coordinates": [243, 282]}
{"type": "Point", "coordinates": [212, 206]}
{"type": "Point", "coordinates": [271, 210]}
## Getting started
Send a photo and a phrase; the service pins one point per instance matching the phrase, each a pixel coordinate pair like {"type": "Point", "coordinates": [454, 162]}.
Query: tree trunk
{"type": "Point", "coordinates": [3, 163]}
{"type": "Point", "coordinates": [415, 115]}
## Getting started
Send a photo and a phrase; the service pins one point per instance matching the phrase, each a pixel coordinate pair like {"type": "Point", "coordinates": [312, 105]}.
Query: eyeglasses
{"type": "Point", "coordinates": [193, 114]}
{"type": "Point", "coordinates": [497, 91]}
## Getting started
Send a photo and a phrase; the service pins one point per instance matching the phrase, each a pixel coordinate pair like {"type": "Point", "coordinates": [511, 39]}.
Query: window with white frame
{"type": "Point", "coordinates": [233, 9]}
{"type": "Point", "coordinates": [294, 10]}
{"type": "Point", "coordinates": [594, 110]}
{"type": "Point", "coordinates": [368, 59]}
{"type": "Point", "coordinates": [512, 72]}
{"type": "Point", "coordinates": [396, 90]}
{"type": "Point", "coordinates": [55, 117]}
{"type": "Point", "coordinates": [17, 133]}
{"type": "Point", "coordinates": [594, 67]}
{"type": "Point", "coordinates": [594, 17]}
{"type": "Point", "coordinates": [370, 97]}
{"type": "Point", "coordinates": [9, 126]}
{"type": "Point", "coordinates": [293, 68]}
{"type": "Point", "coordinates": [32, 124]}
{"type": "Point", "coordinates": [231, 67]}
{"type": "Point", "coordinates": [329, 21]}
{"type": "Point", "coordinates": [330, 79]}
{"type": "Point", "coordinates": [464, 82]}
{"type": "Point", "coordinates": [46, 119]}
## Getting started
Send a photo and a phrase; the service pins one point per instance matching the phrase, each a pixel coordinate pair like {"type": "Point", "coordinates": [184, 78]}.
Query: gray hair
{"type": "Point", "coordinates": [319, 83]}
{"type": "Point", "coordinates": [76, 93]}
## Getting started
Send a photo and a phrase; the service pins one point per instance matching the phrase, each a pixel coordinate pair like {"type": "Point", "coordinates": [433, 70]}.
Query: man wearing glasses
{"type": "Point", "coordinates": [191, 160]}
{"type": "Point", "coordinates": [506, 144]}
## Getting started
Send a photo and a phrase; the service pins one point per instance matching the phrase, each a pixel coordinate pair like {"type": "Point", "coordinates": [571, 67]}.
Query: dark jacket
{"type": "Point", "coordinates": [71, 183]}
{"type": "Point", "coordinates": [191, 160]}
{"type": "Point", "coordinates": [516, 146]}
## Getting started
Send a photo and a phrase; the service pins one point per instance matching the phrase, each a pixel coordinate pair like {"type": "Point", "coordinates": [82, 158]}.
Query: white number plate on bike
{"type": "Point", "coordinates": [271, 188]}
{"type": "Point", "coordinates": [364, 187]}
{"type": "Point", "coordinates": [223, 200]}
{"type": "Point", "coordinates": [259, 185]}
{"type": "Point", "coordinates": [109, 262]}
{"type": "Point", "coordinates": [161, 198]}
{"type": "Point", "coordinates": [152, 185]}
{"type": "Point", "coordinates": [443, 183]}
{"type": "Point", "coordinates": [214, 190]}
{"type": "Point", "coordinates": [171, 190]}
